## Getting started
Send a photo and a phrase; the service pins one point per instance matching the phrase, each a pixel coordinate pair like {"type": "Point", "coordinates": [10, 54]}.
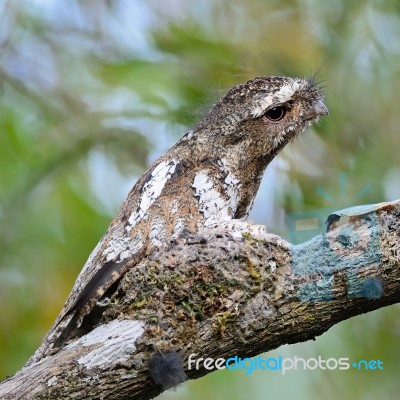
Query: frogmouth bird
{"type": "Point", "coordinates": [208, 179]}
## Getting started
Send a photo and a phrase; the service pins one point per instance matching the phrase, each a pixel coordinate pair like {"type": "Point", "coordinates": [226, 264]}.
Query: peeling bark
{"type": "Point", "coordinates": [218, 295]}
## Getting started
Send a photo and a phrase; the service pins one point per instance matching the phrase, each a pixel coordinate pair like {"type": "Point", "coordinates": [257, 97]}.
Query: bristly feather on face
{"type": "Point", "coordinates": [260, 116]}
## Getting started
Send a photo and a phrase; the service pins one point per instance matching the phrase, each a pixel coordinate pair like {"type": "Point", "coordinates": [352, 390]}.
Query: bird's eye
{"type": "Point", "coordinates": [276, 114]}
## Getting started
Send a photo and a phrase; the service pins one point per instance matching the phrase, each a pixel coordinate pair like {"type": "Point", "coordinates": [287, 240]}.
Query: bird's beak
{"type": "Point", "coordinates": [317, 109]}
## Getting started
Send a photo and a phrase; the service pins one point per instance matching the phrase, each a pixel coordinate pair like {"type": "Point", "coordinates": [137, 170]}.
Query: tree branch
{"type": "Point", "coordinates": [217, 295]}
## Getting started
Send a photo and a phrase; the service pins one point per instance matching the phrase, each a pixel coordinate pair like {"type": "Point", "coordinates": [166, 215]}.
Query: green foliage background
{"type": "Point", "coordinates": [91, 92]}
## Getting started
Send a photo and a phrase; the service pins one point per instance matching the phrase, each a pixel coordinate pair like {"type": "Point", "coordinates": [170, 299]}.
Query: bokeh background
{"type": "Point", "coordinates": [92, 92]}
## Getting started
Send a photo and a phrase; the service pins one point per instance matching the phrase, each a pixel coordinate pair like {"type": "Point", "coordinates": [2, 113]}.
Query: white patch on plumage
{"type": "Point", "coordinates": [178, 227]}
{"type": "Point", "coordinates": [175, 206]}
{"type": "Point", "coordinates": [134, 246]}
{"type": "Point", "coordinates": [188, 135]}
{"type": "Point", "coordinates": [231, 184]}
{"type": "Point", "coordinates": [152, 190]}
{"type": "Point", "coordinates": [284, 94]}
{"type": "Point", "coordinates": [157, 232]}
{"type": "Point", "coordinates": [212, 204]}
{"type": "Point", "coordinates": [123, 246]}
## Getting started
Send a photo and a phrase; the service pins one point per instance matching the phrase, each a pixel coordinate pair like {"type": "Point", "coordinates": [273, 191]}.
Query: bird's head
{"type": "Point", "coordinates": [257, 118]}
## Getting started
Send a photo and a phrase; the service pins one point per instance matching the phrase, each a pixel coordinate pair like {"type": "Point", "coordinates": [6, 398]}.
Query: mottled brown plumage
{"type": "Point", "coordinates": [208, 179]}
